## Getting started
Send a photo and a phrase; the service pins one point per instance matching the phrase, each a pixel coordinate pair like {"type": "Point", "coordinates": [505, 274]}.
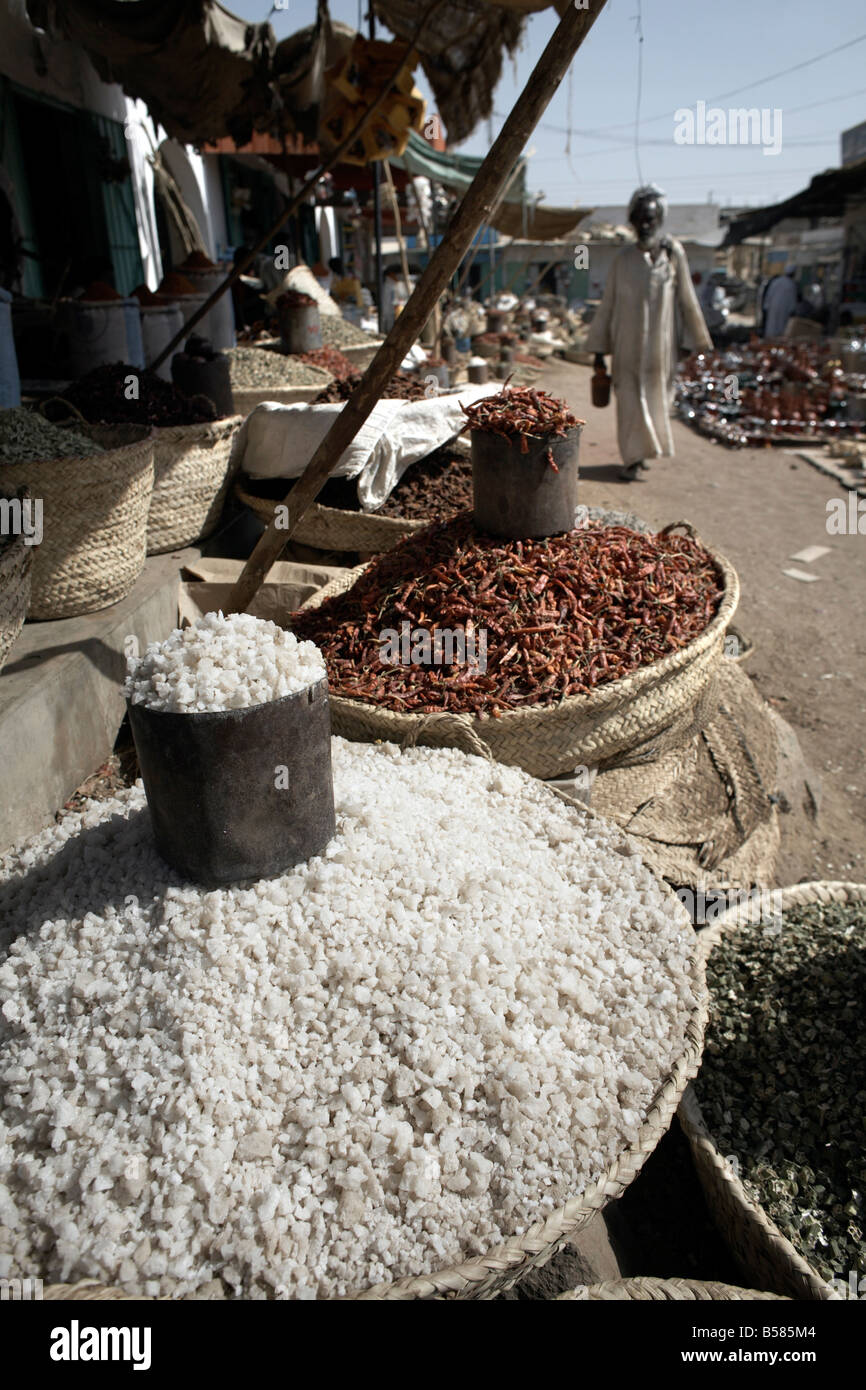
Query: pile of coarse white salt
{"type": "Point", "coordinates": [383, 1062]}
{"type": "Point", "coordinates": [222, 663]}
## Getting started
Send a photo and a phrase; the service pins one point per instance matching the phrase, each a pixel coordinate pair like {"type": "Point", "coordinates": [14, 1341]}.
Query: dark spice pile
{"type": "Point", "coordinates": [295, 299]}
{"type": "Point", "coordinates": [562, 615]}
{"type": "Point", "coordinates": [433, 488]}
{"type": "Point", "coordinates": [401, 387]}
{"type": "Point", "coordinates": [332, 360]}
{"type": "Point", "coordinates": [520, 412]}
{"type": "Point", "coordinates": [782, 1085]}
{"type": "Point", "coordinates": [102, 397]}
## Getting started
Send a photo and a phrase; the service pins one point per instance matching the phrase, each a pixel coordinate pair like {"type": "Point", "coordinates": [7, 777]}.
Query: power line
{"type": "Point", "coordinates": [639, 27]}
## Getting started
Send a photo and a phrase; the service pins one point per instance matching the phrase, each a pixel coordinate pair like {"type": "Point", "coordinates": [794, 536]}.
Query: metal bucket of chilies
{"type": "Point", "coordinates": [525, 495]}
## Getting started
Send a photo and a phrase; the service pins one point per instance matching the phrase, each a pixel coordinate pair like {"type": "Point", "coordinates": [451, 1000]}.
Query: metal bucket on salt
{"type": "Point", "coordinates": [241, 793]}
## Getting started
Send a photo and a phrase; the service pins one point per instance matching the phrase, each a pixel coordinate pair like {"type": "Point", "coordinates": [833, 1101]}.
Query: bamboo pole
{"type": "Point", "coordinates": [474, 209]}
{"type": "Point", "coordinates": [328, 163]}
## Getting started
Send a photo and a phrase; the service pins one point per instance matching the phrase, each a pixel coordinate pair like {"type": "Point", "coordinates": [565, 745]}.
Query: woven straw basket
{"type": "Point", "coordinates": [247, 398]}
{"type": "Point", "coordinates": [16, 560]}
{"type": "Point", "coordinates": [192, 476]}
{"type": "Point", "coordinates": [758, 1245]}
{"type": "Point", "coordinates": [487, 1275]}
{"type": "Point", "coordinates": [94, 523]}
{"type": "Point", "coordinates": [333, 528]}
{"type": "Point", "coordinates": [640, 715]}
{"type": "Point", "coordinates": [663, 1291]}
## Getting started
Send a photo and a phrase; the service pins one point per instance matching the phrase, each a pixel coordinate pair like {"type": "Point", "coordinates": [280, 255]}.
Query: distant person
{"type": "Point", "coordinates": [648, 292]}
{"type": "Point", "coordinates": [779, 302]}
{"type": "Point", "coordinates": [344, 288]}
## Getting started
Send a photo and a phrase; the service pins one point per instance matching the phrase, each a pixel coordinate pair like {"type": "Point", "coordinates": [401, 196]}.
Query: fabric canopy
{"type": "Point", "coordinates": [201, 71]}
{"type": "Point", "coordinates": [516, 216]}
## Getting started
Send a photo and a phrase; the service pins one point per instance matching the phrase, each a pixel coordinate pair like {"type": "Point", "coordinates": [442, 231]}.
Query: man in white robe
{"type": "Point", "coordinates": [780, 301]}
{"type": "Point", "coordinates": [648, 308]}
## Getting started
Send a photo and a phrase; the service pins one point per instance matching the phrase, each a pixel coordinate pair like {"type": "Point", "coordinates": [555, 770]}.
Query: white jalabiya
{"type": "Point", "coordinates": [780, 301]}
{"type": "Point", "coordinates": [647, 308]}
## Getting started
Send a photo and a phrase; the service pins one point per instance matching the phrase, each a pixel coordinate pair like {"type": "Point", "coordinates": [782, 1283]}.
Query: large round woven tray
{"type": "Point", "coordinates": [16, 560]}
{"type": "Point", "coordinates": [192, 472]}
{"type": "Point", "coordinates": [640, 716]}
{"type": "Point", "coordinates": [487, 1275]}
{"type": "Point", "coordinates": [94, 517]}
{"type": "Point", "coordinates": [642, 1290]}
{"type": "Point", "coordinates": [766, 1256]}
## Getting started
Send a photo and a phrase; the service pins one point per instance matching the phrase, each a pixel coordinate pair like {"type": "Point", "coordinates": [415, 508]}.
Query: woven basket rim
{"type": "Point", "coordinates": [83, 460]}
{"type": "Point", "coordinates": [676, 1289]}
{"type": "Point", "coordinates": [264, 508]}
{"type": "Point", "coordinates": [603, 697]}
{"type": "Point", "coordinates": [169, 434]}
{"type": "Point", "coordinates": [690, 1115]}
{"type": "Point", "coordinates": [566, 1220]}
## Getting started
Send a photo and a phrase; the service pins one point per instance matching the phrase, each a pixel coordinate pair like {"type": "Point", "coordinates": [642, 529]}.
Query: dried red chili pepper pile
{"type": "Point", "coordinates": [294, 299]}
{"type": "Point", "coordinates": [562, 615]}
{"type": "Point", "coordinates": [332, 360]}
{"type": "Point", "coordinates": [520, 412]}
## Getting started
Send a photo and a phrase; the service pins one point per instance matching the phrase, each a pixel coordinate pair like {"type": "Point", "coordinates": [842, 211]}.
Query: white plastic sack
{"type": "Point", "coordinates": [278, 441]}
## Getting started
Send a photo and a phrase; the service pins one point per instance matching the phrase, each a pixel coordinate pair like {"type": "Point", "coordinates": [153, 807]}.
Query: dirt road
{"type": "Point", "coordinates": [760, 507]}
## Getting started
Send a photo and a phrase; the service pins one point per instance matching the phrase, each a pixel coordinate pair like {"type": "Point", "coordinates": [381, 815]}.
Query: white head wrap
{"type": "Point", "coordinates": [649, 190]}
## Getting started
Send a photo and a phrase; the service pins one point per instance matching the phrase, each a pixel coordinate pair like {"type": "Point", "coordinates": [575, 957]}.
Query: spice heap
{"type": "Point", "coordinates": [222, 663]}
{"type": "Point", "coordinates": [338, 332]}
{"type": "Point", "coordinates": [102, 397]}
{"type": "Point", "coordinates": [562, 615]}
{"type": "Point", "coordinates": [174, 285]}
{"type": "Point", "coordinates": [252, 366]}
{"type": "Point", "coordinates": [520, 412]}
{"type": "Point", "coordinates": [27, 437]}
{"type": "Point", "coordinates": [390, 1058]}
{"type": "Point", "coordinates": [146, 298]}
{"type": "Point", "coordinates": [295, 299]}
{"type": "Point", "coordinates": [401, 387]}
{"type": "Point", "coordinates": [330, 360]}
{"type": "Point", "coordinates": [99, 291]}
{"type": "Point", "coordinates": [433, 488]}
{"type": "Point", "coordinates": [782, 1086]}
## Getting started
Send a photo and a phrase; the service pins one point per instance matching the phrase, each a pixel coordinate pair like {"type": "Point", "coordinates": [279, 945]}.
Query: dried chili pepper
{"type": "Point", "coordinates": [450, 577]}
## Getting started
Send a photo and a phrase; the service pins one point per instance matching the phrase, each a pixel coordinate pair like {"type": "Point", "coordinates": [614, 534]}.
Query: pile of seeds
{"type": "Point", "coordinates": [118, 394]}
{"type": "Point", "coordinates": [782, 1086]}
{"type": "Point", "coordinates": [433, 488]}
{"type": "Point", "coordinates": [253, 366]}
{"type": "Point", "coordinates": [338, 332]}
{"type": "Point", "coordinates": [520, 412]}
{"type": "Point", "coordinates": [331, 360]}
{"type": "Point", "coordinates": [562, 615]}
{"type": "Point", "coordinates": [389, 1058]}
{"type": "Point", "coordinates": [27, 437]}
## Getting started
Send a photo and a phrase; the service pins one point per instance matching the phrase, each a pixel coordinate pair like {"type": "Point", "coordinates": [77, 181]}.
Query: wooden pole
{"type": "Point", "coordinates": [328, 163]}
{"type": "Point", "coordinates": [474, 209]}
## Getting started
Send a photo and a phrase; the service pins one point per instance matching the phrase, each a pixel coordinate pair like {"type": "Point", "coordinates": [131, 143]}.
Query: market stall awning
{"type": "Point", "coordinates": [516, 215]}
{"type": "Point", "coordinates": [201, 71]}
{"type": "Point", "coordinates": [827, 196]}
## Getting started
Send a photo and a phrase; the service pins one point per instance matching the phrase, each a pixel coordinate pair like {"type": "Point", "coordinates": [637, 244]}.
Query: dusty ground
{"type": "Point", "coordinates": [760, 507]}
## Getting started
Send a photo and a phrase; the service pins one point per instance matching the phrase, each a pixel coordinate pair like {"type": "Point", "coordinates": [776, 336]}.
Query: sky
{"type": "Point", "coordinates": [692, 51]}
